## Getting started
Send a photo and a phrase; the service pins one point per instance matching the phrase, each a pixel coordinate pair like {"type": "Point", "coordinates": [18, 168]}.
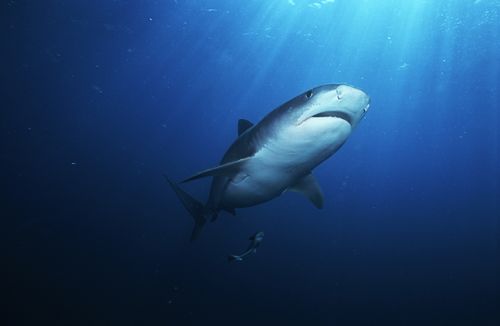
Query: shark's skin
{"type": "Point", "coordinates": [256, 239]}
{"type": "Point", "coordinates": [279, 153]}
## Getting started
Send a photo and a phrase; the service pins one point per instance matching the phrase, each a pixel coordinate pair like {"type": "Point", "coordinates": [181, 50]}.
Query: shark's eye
{"type": "Point", "coordinates": [309, 94]}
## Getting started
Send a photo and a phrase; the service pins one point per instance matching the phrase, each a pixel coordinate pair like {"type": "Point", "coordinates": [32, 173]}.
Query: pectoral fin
{"type": "Point", "coordinates": [227, 169]}
{"type": "Point", "coordinates": [309, 188]}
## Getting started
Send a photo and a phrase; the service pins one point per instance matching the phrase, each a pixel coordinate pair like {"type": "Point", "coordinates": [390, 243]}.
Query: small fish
{"type": "Point", "coordinates": [252, 248]}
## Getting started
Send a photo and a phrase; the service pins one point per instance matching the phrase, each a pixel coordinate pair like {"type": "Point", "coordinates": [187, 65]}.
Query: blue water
{"type": "Point", "coordinates": [100, 98]}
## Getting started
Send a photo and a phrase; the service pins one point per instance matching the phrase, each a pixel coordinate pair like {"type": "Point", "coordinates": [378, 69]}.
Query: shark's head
{"type": "Point", "coordinates": [314, 124]}
{"type": "Point", "coordinates": [332, 101]}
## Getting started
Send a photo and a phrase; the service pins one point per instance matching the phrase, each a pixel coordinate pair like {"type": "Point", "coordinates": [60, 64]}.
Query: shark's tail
{"type": "Point", "coordinates": [194, 207]}
{"type": "Point", "coordinates": [231, 258]}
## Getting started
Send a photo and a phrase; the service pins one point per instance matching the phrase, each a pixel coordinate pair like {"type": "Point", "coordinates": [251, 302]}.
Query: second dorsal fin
{"type": "Point", "coordinates": [243, 125]}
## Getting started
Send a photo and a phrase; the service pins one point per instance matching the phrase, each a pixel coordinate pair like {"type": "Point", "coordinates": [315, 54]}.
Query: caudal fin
{"type": "Point", "coordinates": [231, 258]}
{"type": "Point", "coordinates": [194, 207]}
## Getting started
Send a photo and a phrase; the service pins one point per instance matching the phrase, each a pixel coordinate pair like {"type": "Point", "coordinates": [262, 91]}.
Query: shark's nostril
{"type": "Point", "coordinates": [339, 94]}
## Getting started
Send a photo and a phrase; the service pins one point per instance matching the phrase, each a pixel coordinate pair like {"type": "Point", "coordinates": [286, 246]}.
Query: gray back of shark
{"type": "Point", "coordinates": [279, 153]}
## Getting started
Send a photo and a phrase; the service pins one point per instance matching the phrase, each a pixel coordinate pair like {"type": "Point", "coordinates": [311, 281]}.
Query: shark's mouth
{"type": "Point", "coordinates": [334, 114]}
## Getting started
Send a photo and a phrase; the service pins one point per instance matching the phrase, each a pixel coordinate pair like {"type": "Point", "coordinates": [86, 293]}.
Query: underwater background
{"type": "Point", "coordinates": [100, 98]}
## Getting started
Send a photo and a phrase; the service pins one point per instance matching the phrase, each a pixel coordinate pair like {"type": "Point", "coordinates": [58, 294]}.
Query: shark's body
{"type": "Point", "coordinates": [256, 239]}
{"type": "Point", "coordinates": [279, 153]}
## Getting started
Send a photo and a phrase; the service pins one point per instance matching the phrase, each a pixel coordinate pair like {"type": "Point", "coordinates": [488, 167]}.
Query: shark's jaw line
{"type": "Point", "coordinates": [331, 114]}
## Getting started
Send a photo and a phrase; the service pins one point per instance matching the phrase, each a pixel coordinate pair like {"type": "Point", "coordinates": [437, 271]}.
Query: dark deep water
{"type": "Point", "coordinates": [100, 98]}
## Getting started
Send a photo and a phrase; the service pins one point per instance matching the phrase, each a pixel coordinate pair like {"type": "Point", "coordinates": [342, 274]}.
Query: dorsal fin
{"type": "Point", "coordinates": [243, 125]}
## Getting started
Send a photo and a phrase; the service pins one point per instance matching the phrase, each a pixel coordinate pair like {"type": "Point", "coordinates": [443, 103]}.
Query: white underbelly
{"type": "Point", "coordinates": [256, 183]}
{"type": "Point", "coordinates": [281, 162]}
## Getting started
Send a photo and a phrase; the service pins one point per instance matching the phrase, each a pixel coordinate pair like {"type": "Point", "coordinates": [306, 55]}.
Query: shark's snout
{"type": "Point", "coordinates": [367, 103]}
{"type": "Point", "coordinates": [355, 102]}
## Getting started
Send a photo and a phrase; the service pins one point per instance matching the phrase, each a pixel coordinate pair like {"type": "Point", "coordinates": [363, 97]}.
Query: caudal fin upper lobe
{"type": "Point", "coordinates": [194, 207]}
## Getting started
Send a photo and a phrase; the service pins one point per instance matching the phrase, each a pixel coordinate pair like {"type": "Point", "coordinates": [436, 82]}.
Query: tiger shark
{"type": "Point", "coordinates": [279, 153]}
